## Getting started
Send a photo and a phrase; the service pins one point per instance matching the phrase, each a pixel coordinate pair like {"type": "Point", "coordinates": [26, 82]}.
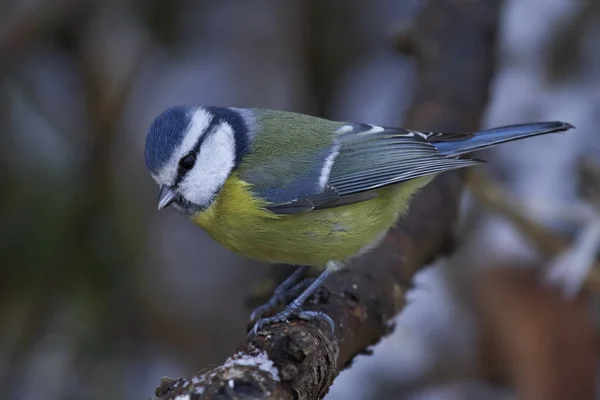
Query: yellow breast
{"type": "Point", "coordinates": [240, 222]}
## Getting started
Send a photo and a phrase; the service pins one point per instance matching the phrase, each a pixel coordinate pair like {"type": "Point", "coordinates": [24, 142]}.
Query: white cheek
{"type": "Point", "coordinates": [200, 121]}
{"type": "Point", "coordinates": [214, 163]}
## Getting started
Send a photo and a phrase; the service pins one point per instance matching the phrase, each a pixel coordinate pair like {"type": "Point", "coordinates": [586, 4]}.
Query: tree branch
{"type": "Point", "coordinates": [454, 44]}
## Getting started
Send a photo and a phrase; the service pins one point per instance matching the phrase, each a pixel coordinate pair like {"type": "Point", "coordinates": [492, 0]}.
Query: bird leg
{"type": "Point", "coordinates": [293, 309]}
{"type": "Point", "coordinates": [286, 290]}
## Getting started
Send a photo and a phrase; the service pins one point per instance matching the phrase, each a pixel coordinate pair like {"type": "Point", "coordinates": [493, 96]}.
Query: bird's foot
{"type": "Point", "coordinates": [293, 309]}
{"type": "Point", "coordinates": [291, 312]}
{"type": "Point", "coordinates": [281, 296]}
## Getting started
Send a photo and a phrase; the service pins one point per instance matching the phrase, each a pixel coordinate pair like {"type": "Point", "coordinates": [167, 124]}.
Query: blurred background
{"type": "Point", "coordinates": [101, 296]}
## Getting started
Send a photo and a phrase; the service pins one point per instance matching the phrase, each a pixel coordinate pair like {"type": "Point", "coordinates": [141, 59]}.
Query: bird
{"type": "Point", "coordinates": [284, 187]}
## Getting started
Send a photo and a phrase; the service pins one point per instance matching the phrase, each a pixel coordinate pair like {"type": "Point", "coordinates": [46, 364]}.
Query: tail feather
{"type": "Point", "coordinates": [491, 137]}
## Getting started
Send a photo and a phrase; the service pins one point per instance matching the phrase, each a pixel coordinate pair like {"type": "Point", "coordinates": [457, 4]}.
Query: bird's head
{"type": "Point", "coordinates": [191, 151]}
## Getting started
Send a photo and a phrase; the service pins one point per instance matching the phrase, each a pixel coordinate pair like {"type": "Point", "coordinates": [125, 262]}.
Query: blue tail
{"type": "Point", "coordinates": [454, 145]}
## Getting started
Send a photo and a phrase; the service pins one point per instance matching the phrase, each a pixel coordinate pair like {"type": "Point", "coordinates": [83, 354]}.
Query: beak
{"type": "Point", "coordinates": [166, 197]}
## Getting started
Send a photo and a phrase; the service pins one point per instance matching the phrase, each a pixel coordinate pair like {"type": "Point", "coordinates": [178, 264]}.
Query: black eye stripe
{"type": "Point", "coordinates": [214, 123]}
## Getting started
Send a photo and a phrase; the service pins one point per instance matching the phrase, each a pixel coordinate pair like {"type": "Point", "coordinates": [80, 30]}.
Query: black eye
{"type": "Point", "coordinates": [187, 162]}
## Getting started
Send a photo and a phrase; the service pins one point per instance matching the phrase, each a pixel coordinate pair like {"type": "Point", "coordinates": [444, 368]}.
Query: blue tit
{"type": "Point", "coordinates": [290, 188]}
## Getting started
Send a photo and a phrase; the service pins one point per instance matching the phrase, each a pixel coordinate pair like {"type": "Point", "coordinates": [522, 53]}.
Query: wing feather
{"type": "Point", "coordinates": [299, 163]}
{"type": "Point", "coordinates": [369, 161]}
{"type": "Point", "coordinates": [369, 158]}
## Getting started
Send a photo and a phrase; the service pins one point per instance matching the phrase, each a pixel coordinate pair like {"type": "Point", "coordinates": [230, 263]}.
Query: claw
{"type": "Point", "coordinates": [262, 310]}
{"type": "Point", "coordinates": [285, 315]}
{"type": "Point", "coordinates": [280, 296]}
{"type": "Point", "coordinates": [293, 309]}
{"type": "Point", "coordinates": [310, 315]}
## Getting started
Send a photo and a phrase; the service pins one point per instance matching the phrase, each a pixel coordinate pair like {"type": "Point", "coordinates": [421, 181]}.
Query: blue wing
{"type": "Point", "coordinates": [372, 157]}
{"type": "Point", "coordinates": [363, 158]}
